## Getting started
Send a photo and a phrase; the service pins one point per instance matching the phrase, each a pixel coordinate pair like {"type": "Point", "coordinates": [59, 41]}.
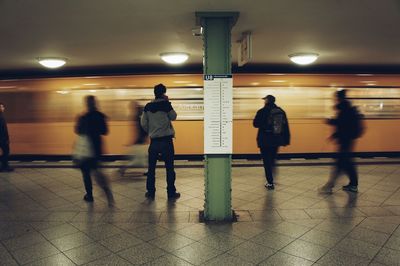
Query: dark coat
{"type": "Point", "coordinates": [344, 122]}
{"type": "Point", "coordinates": [4, 138]}
{"type": "Point", "coordinates": [93, 124]}
{"type": "Point", "coordinates": [265, 135]}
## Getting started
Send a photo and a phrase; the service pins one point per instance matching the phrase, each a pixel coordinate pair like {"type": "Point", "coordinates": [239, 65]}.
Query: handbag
{"type": "Point", "coordinates": [82, 149]}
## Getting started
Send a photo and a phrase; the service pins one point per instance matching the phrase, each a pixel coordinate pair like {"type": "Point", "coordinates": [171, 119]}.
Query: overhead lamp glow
{"type": "Point", "coordinates": [174, 58]}
{"type": "Point", "coordinates": [303, 58]}
{"type": "Point", "coordinates": [52, 62]}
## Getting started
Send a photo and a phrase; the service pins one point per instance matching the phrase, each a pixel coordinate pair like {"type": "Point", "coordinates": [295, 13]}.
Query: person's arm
{"type": "Point", "coordinates": [79, 126]}
{"type": "Point", "coordinates": [257, 122]}
{"type": "Point", "coordinates": [144, 121]}
{"type": "Point", "coordinates": [287, 130]}
{"type": "Point", "coordinates": [103, 126]}
{"type": "Point", "coordinates": [171, 113]}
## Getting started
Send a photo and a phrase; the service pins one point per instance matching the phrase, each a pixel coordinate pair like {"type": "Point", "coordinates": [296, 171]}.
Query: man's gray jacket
{"type": "Point", "coordinates": [157, 117]}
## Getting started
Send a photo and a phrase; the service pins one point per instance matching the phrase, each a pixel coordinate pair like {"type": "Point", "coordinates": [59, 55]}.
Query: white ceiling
{"type": "Point", "coordinates": [107, 33]}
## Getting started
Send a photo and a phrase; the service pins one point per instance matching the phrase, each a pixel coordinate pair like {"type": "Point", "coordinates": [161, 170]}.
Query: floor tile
{"type": "Point", "coordinates": [87, 253]}
{"type": "Point", "coordinates": [281, 258]}
{"type": "Point", "coordinates": [197, 253]}
{"type": "Point", "coordinates": [142, 253]}
{"type": "Point", "coordinates": [252, 252]}
{"type": "Point", "coordinates": [305, 250]}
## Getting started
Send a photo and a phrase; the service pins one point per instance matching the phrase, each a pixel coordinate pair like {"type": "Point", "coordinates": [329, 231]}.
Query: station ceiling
{"type": "Point", "coordinates": [129, 34]}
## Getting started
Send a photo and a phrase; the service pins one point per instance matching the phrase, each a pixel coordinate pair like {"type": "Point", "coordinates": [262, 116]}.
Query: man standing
{"type": "Point", "coordinates": [156, 121]}
{"type": "Point", "coordinates": [273, 131]}
{"type": "Point", "coordinates": [348, 127]}
{"type": "Point", "coordinates": [4, 142]}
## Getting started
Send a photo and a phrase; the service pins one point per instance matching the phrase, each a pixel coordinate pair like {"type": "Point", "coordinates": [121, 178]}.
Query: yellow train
{"type": "Point", "coordinates": [41, 112]}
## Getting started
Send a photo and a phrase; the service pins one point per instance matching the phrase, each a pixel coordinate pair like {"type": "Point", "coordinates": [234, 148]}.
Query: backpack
{"type": "Point", "coordinates": [357, 128]}
{"type": "Point", "coordinates": [277, 120]}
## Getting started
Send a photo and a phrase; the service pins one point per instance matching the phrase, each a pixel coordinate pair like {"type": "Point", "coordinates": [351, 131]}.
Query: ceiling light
{"type": "Point", "coordinates": [52, 62]}
{"type": "Point", "coordinates": [303, 58]}
{"type": "Point", "coordinates": [174, 58]}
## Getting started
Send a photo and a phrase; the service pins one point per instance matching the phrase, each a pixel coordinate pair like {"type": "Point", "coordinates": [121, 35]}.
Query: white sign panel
{"type": "Point", "coordinates": [218, 114]}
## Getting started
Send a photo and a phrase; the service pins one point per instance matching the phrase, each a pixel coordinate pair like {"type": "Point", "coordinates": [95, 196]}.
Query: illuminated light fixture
{"type": "Point", "coordinates": [277, 81]}
{"type": "Point", "coordinates": [92, 90]}
{"type": "Point", "coordinates": [303, 58]}
{"type": "Point", "coordinates": [52, 62]}
{"type": "Point", "coordinates": [174, 58]}
{"type": "Point", "coordinates": [63, 92]}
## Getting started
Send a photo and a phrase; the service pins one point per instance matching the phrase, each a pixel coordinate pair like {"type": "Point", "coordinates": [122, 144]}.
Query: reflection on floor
{"type": "Point", "coordinates": [44, 221]}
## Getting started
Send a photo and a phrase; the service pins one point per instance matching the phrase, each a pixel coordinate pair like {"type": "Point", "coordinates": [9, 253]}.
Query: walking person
{"type": "Point", "coordinates": [156, 121]}
{"type": "Point", "coordinates": [4, 141]}
{"type": "Point", "coordinates": [138, 153]}
{"type": "Point", "coordinates": [273, 132]}
{"type": "Point", "coordinates": [348, 127]}
{"type": "Point", "coordinates": [93, 125]}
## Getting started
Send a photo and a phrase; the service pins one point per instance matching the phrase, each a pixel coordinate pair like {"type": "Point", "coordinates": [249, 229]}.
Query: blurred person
{"type": "Point", "coordinates": [93, 125]}
{"type": "Point", "coordinates": [4, 141]}
{"type": "Point", "coordinates": [138, 154]}
{"type": "Point", "coordinates": [273, 132]}
{"type": "Point", "coordinates": [156, 121]}
{"type": "Point", "coordinates": [348, 127]}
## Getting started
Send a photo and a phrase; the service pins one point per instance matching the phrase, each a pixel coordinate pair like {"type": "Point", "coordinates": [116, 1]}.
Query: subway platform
{"type": "Point", "coordinates": [44, 221]}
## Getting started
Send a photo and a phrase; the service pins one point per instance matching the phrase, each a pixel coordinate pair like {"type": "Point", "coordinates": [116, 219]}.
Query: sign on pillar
{"type": "Point", "coordinates": [218, 114]}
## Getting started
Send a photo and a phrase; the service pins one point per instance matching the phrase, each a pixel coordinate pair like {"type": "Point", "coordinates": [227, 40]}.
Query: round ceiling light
{"type": "Point", "coordinates": [52, 62]}
{"type": "Point", "coordinates": [174, 58]}
{"type": "Point", "coordinates": [303, 58]}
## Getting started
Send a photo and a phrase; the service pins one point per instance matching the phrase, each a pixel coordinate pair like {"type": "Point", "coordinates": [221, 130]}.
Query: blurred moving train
{"type": "Point", "coordinates": [41, 112]}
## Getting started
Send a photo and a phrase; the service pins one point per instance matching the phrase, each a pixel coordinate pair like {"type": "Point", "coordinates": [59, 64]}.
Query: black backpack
{"type": "Point", "coordinates": [357, 127]}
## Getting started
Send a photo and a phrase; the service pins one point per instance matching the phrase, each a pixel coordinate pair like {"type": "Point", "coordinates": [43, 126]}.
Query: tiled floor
{"type": "Point", "coordinates": [44, 221]}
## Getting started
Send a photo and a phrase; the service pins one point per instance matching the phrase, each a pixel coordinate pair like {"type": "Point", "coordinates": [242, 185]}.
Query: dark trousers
{"type": "Point", "coordinates": [165, 149]}
{"type": "Point", "coordinates": [268, 154]}
{"type": "Point", "coordinates": [5, 147]}
{"type": "Point", "coordinates": [92, 166]}
{"type": "Point", "coordinates": [344, 163]}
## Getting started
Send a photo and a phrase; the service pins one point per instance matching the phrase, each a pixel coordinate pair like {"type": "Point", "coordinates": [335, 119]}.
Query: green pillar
{"type": "Point", "coordinates": [217, 61]}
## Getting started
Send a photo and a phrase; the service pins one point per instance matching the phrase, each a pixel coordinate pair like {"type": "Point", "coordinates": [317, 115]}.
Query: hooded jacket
{"type": "Point", "coordinates": [157, 117]}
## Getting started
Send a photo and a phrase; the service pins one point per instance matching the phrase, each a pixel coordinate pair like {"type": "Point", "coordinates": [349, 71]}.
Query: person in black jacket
{"type": "Point", "coordinates": [4, 141]}
{"type": "Point", "coordinates": [273, 132]}
{"type": "Point", "coordinates": [93, 125]}
{"type": "Point", "coordinates": [344, 123]}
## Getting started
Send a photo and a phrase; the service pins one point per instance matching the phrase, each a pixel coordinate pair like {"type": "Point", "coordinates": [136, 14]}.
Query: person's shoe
{"type": "Point", "coordinates": [149, 195]}
{"type": "Point", "coordinates": [121, 172]}
{"type": "Point", "coordinates": [350, 188]}
{"type": "Point", "coordinates": [325, 189]}
{"type": "Point", "coordinates": [88, 198]}
{"type": "Point", "coordinates": [145, 173]}
{"type": "Point", "coordinates": [269, 186]}
{"type": "Point", "coordinates": [174, 196]}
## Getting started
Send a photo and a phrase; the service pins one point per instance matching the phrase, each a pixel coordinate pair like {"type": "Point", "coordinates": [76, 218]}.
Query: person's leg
{"type": "Point", "coordinates": [168, 157]}
{"type": "Point", "coordinates": [349, 167]}
{"type": "Point", "coordinates": [4, 157]}
{"type": "Point", "coordinates": [266, 156]}
{"type": "Point", "coordinates": [87, 181]}
{"type": "Point", "coordinates": [103, 182]}
{"type": "Point", "coordinates": [151, 171]}
{"type": "Point", "coordinates": [274, 154]}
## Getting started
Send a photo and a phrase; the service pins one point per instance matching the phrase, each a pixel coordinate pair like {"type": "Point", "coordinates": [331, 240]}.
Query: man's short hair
{"type": "Point", "coordinates": [159, 90]}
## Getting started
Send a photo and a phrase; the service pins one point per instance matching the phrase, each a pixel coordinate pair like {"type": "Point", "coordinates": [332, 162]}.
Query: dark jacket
{"type": "Point", "coordinates": [344, 122]}
{"type": "Point", "coordinates": [157, 117]}
{"type": "Point", "coordinates": [4, 138]}
{"type": "Point", "coordinates": [265, 124]}
{"type": "Point", "coordinates": [93, 124]}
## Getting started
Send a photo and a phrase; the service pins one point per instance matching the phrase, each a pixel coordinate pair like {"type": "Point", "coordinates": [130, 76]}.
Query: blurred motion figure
{"type": "Point", "coordinates": [4, 141]}
{"type": "Point", "coordinates": [348, 127]}
{"type": "Point", "coordinates": [138, 153]}
{"type": "Point", "coordinates": [93, 125]}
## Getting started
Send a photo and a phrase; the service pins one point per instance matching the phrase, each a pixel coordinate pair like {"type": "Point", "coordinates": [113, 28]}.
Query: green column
{"type": "Point", "coordinates": [217, 60]}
